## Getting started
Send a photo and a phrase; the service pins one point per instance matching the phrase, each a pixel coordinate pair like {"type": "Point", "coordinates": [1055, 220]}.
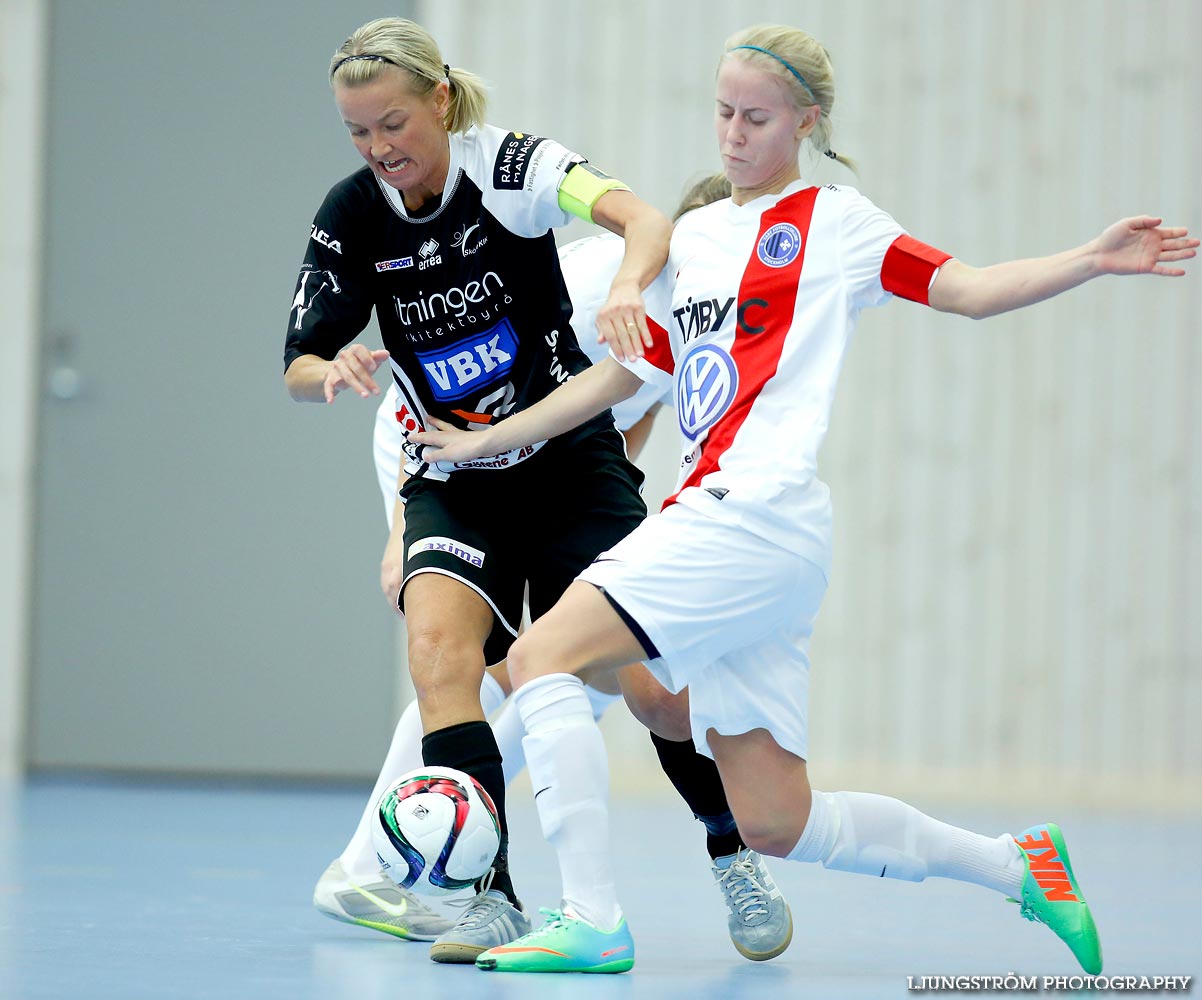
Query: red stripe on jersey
{"type": "Point", "coordinates": [660, 351]}
{"type": "Point", "coordinates": [757, 348]}
{"type": "Point", "coordinates": [908, 268]}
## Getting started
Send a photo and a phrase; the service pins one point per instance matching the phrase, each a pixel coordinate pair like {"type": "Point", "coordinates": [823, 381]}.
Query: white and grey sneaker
{"type": "Point", "coordinates": [489, 921]}
{"type": "Point", "coordinates": [380, 904]}
{"type": "Point", "coordinates": [760, 923]}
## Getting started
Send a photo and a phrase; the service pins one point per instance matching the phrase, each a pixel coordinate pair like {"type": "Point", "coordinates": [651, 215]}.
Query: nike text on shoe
{"type": "Point", "coordinates": [489, 920]}
{"type": "Point", "coordinates": [760, 923]}
{"type": "Point", "coordinates": [1051, 896]}
{"type": "Point", "coordinates": [378, 903]}
{"type": "Point", "coordinates": [564, 944]}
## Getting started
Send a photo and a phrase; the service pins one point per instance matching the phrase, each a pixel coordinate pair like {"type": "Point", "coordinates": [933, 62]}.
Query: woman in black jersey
{"type": "Point", "coordinates": [446, 233]}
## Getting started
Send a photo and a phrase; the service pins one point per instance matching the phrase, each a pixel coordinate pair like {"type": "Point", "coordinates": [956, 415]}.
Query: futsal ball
{"type": "Point", "coordinates": [436, 831]}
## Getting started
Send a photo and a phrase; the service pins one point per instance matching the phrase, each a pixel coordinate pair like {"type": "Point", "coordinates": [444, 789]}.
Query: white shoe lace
{"type": "Point", "coordinates": [745, 894]}
{"type": "Point", "coordinates": [480, 908]}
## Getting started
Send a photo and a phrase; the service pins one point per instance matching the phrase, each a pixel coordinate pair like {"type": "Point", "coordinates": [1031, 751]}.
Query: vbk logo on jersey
{"type": "Point", "coordinates": [392, 265]}
{"type": "Point", "coordinates": [705, 387]}
{"type": "Point", "coordinates": [406, 419]}
{"type": "Point", "coordinates": [455, 369]}
{"type": "Point", "coordinates": [780, 245]}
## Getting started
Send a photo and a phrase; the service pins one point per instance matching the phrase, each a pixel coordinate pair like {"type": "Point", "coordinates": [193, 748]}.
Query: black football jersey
{"type": "Point", "coordinates": [469, 298]}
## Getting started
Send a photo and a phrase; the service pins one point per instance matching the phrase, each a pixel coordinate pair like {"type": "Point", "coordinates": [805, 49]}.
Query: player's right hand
{"type": "Point", "coordinates": [352, 368]}
{"type": "Point", "coordinates": [446, 444]}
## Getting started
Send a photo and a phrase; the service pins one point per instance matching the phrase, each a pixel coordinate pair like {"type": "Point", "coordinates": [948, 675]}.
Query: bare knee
{"type": "Point", "coordinates": [442, 659]}
{"type": "Point", "coordinates": [521, 660]}
{"type": "Point", "coordinates": [768, 836]}
{"type": "Point", "coordinates": [768, 789]}
{"type": "Point", "coordinates": [774, 827]}
{"type": "Point", "coordinates": [540, 651]}
{"type": "Point", "coordinates": [664, 713]}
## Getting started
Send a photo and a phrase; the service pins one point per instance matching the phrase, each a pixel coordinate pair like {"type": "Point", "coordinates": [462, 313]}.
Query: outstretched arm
{"type": "Point", "coordinates": [1130, 246]}
{"type": "Point", "coordinates": [581, 397]}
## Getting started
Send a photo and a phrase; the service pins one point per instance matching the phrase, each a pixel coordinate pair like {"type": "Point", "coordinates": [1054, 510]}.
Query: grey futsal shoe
{"type": "Point", "coordinates": [489, 921]}
{"type": "Point", "coordinates": [760, 923]}
{"type": "Point", "coordinates": [378, 903]}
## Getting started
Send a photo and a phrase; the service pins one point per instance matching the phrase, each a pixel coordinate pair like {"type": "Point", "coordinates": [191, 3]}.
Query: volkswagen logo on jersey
{"type": "Point", "coordinates": [454, 370]}
{"type": "Point", "coordinates": [705, 388]}
{"type": "Point", "coordinates": [780, 245]}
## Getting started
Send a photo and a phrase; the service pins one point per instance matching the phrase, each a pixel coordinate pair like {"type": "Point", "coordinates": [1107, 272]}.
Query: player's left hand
{"type": "Point", "coordinates": [1138, 246]}
{"type": "Point", "coordinates": [622, 322]}
{"type": "Point", "coordinates": [446, 443]}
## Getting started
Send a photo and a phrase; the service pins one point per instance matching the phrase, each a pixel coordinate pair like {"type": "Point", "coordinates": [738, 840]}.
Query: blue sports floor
{"type": "Point", "coordinates": [115, 889]}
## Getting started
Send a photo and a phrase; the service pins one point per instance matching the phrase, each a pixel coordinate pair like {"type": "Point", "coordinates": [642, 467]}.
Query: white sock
{"type": "Point", "coordinates": [359, 859]}
{"type": "Point", "coordinates": [570, 777]}
{"type": "Point", "coordinates": [509, 730]}
{"type": "Point", "coordinates": [507, 727]}
{"type": "Point", "coordinates": [881, 836]}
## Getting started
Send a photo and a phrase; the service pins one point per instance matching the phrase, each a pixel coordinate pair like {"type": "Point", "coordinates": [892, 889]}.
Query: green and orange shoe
{"type": "Point", "coordinates": [1052, 897]}
{"type": "Point", "coordinates": [564, 944]}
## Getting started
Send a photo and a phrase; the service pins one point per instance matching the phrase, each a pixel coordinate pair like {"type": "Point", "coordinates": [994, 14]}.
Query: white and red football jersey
{"type": "Point", "coordinates": [763, 300]}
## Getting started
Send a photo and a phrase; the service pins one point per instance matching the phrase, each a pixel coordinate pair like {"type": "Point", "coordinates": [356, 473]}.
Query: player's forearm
{"type": "Point", "coordinates": [988, 291]}
{"type": "Point", "coordinates": [579, 399]}
{"type": "Point", "coordinates": [305, 379]}
{"type": "Point", "coordinates": [647, 233]}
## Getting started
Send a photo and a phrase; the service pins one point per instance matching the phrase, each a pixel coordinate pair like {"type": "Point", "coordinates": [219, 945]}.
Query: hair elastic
{"type": "Point", "coordinates": [784, 62]}
{"type": "Point", "coordinates": [831, 153]}
{"type": "Point", "coordinates": [371, 58]}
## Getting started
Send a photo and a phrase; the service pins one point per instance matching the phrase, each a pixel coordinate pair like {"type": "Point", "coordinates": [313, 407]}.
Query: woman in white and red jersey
{"type": "Point", "coordinates": [720, 590]}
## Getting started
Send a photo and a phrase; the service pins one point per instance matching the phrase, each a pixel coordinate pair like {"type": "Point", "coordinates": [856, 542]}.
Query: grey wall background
{"type": "Point", "coordinates": [205, 586]}
{"type": "Point", "coordinates": [1019, 502]}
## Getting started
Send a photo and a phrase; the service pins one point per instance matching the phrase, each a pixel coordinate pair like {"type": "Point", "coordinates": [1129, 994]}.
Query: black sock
{"type": "Point", "coordinates": [471, 747]}
{"type": "Point", "coordinates": [696, 778]}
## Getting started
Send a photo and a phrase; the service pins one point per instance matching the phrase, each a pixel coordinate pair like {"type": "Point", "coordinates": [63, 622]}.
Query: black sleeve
{"type": "Point", "coordinates": [331, 303]}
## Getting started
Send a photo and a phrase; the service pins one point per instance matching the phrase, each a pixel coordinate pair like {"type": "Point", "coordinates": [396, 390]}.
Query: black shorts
{"type": "Point", "coordinates": [539, 523]}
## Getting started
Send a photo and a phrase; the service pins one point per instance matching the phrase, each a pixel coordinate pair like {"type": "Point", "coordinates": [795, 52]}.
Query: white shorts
{"type": "Point", "coordinates": [730, 615]}
{"type": "Point", "coordinates": [386, 442]}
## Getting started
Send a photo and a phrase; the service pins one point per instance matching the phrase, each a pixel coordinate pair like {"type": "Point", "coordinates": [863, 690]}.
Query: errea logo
{"type": "Point", "coordinates": [428, 252]}
{"type": "Point", "coordinates": [439, 543]}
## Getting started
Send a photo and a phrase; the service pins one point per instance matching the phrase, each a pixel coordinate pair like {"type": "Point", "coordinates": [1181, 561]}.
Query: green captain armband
{"type": "Point", "coordinates": [582, 186]}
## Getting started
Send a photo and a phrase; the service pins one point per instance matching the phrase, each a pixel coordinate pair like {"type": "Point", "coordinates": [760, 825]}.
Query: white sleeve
{"type": "Point", "coordinates": [589, 266]}
{"type": "Point", "coordinates": [520, 176]}
{"type": "Point", "coordinates": [865, 235]}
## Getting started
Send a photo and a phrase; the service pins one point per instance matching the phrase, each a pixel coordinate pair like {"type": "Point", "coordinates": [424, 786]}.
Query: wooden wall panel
{"type": "Point", "coordinates": [1015, 601]}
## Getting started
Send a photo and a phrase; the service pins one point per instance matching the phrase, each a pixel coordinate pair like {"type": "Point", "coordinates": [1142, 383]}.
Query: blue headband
{"type": "Point", "coordinates": [800, 79]}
